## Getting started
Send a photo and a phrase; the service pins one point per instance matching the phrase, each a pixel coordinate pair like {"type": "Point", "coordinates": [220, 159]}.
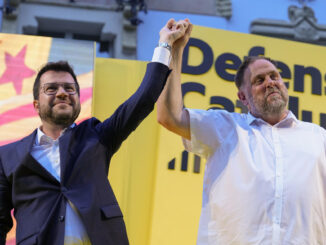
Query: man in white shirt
{"type": "Point", "coordinates": [56, 178]}
{"type": "Point", "coordinates": [265, 178]}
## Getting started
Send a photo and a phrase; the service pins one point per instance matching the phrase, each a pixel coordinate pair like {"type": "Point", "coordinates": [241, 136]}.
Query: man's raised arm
{"type": "Point", "coordinates": [170, 112]}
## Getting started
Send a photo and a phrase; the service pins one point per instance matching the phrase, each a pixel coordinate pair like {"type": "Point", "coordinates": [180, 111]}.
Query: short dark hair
{"type": "Point", "coordinates": [53, 66]}
{"type": "Point", "coordinates": [249, 60]}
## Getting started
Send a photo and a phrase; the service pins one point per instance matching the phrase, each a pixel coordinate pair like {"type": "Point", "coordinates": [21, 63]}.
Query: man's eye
{"type": "Point", "coordinates": [51, 88]}
{"type": "Point", "coordinates": [259, 81]}
{"type": "Point", "coordinates": [69, 88]}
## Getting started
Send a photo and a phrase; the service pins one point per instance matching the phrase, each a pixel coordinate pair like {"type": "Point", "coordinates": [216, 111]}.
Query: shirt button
{"type": "Point", "coordinates": [277, 196]}
{"type": "Point", "coordinates": [61, 218]}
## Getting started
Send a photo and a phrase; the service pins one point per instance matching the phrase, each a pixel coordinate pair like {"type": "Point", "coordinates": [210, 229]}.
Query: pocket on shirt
{"type": "Point", "coordinates": [111, 211]}
{"type": "Point", "coordinates": [29, 240]}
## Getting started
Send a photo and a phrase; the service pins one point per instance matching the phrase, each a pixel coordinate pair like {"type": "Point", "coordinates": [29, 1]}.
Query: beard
{"type": "Point", "coordinates": [274, 105]}
{"type": "Point", "coordinates": [64, 119]}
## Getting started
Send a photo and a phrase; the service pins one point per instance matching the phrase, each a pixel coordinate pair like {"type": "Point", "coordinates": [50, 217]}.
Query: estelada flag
{"type": "Point", "coordinates": [20, 59]}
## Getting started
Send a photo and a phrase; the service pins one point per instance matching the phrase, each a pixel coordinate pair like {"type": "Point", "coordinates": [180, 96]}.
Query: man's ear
{"type": "Point", "coordinates": [242, 97]}
{"type": "Point", "coordinates": [36, 105]}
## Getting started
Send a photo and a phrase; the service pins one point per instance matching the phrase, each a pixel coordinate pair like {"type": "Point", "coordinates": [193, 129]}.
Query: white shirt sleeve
{"type": "Point", "coordinates": [208, 130]}
{"type": "Point", "coordinates": [161, 55]}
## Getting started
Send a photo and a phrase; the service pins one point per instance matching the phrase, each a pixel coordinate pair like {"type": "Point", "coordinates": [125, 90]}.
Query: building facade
{"type": "Point", "coordinates": [128, 29]}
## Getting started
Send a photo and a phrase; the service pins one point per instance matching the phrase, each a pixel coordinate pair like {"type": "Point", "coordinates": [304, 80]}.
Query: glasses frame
{"type": "Point", "coordinates": [43, 87]}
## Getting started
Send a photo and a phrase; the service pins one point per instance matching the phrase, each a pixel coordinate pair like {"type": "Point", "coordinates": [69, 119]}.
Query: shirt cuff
{"type": "Point", "coordinates": [161, 55]}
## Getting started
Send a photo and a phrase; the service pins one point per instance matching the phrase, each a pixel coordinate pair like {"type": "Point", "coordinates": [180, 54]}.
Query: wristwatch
{"type": "Point", "coordinates": [165, 45]}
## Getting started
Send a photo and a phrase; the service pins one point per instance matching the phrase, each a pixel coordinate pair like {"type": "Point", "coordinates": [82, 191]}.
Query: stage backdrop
{"type": "Point", "coordinates": [158, 184]}
{"type": "Point", "coordinates": [20, 58]}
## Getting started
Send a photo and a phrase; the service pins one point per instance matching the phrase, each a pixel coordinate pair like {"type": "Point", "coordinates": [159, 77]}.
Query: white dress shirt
{"type": "Point", "coordinates": [46, 151]}
{"type": "Point", "coordinates": [263, 184]}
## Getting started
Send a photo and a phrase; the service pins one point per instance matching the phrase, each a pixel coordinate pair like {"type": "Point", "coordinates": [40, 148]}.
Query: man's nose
{"type": "Point", "coordinates": [61, 91]}
{"type": "Point", "coordinates": [270, 82]}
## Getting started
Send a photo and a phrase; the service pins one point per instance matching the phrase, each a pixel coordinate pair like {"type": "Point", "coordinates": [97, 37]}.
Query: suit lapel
{"type": "Point", "coordinates": [65, 142]}
{"type": "Point", "coordinates": [25, 146]}
{"type": "Point", "coordinates": [34, 165]}
{"type": "Point", "coordinates": [66, 159]}
{"type": "Point", "coordinates": [23, 153]}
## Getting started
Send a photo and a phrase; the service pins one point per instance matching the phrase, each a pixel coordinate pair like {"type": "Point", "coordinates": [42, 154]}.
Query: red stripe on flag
{"type": "Point", "coordinates": [85, 94]}
{"type": "Point", "coordinates": [20, 112]}
{"type": "Point", "coordinates": [11, 242]}
{"type": "Point", "coordinates": [5, 142]}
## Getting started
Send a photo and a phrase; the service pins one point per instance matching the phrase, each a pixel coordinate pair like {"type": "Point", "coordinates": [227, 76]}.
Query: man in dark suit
{"type": "Point", "coordinates": [56, 178]}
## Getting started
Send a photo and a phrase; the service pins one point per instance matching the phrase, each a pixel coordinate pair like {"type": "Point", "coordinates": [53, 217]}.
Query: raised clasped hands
{"type": "Point", "coordinates": [176, 33]}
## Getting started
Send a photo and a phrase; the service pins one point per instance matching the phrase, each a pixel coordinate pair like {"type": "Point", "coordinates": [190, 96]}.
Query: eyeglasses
{"type": "Point", "coordinates": [52, 88]}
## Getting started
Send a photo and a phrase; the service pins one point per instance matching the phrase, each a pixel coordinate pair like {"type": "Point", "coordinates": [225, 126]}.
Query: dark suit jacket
{"type": "Point", "coordinates": [39, 199]}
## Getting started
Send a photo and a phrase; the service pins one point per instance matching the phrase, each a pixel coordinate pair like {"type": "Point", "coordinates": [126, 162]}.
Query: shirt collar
{"type": "Point", "coordinates": [290, 117]}
{"type": "Point", "coordinates": [42, 139]}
